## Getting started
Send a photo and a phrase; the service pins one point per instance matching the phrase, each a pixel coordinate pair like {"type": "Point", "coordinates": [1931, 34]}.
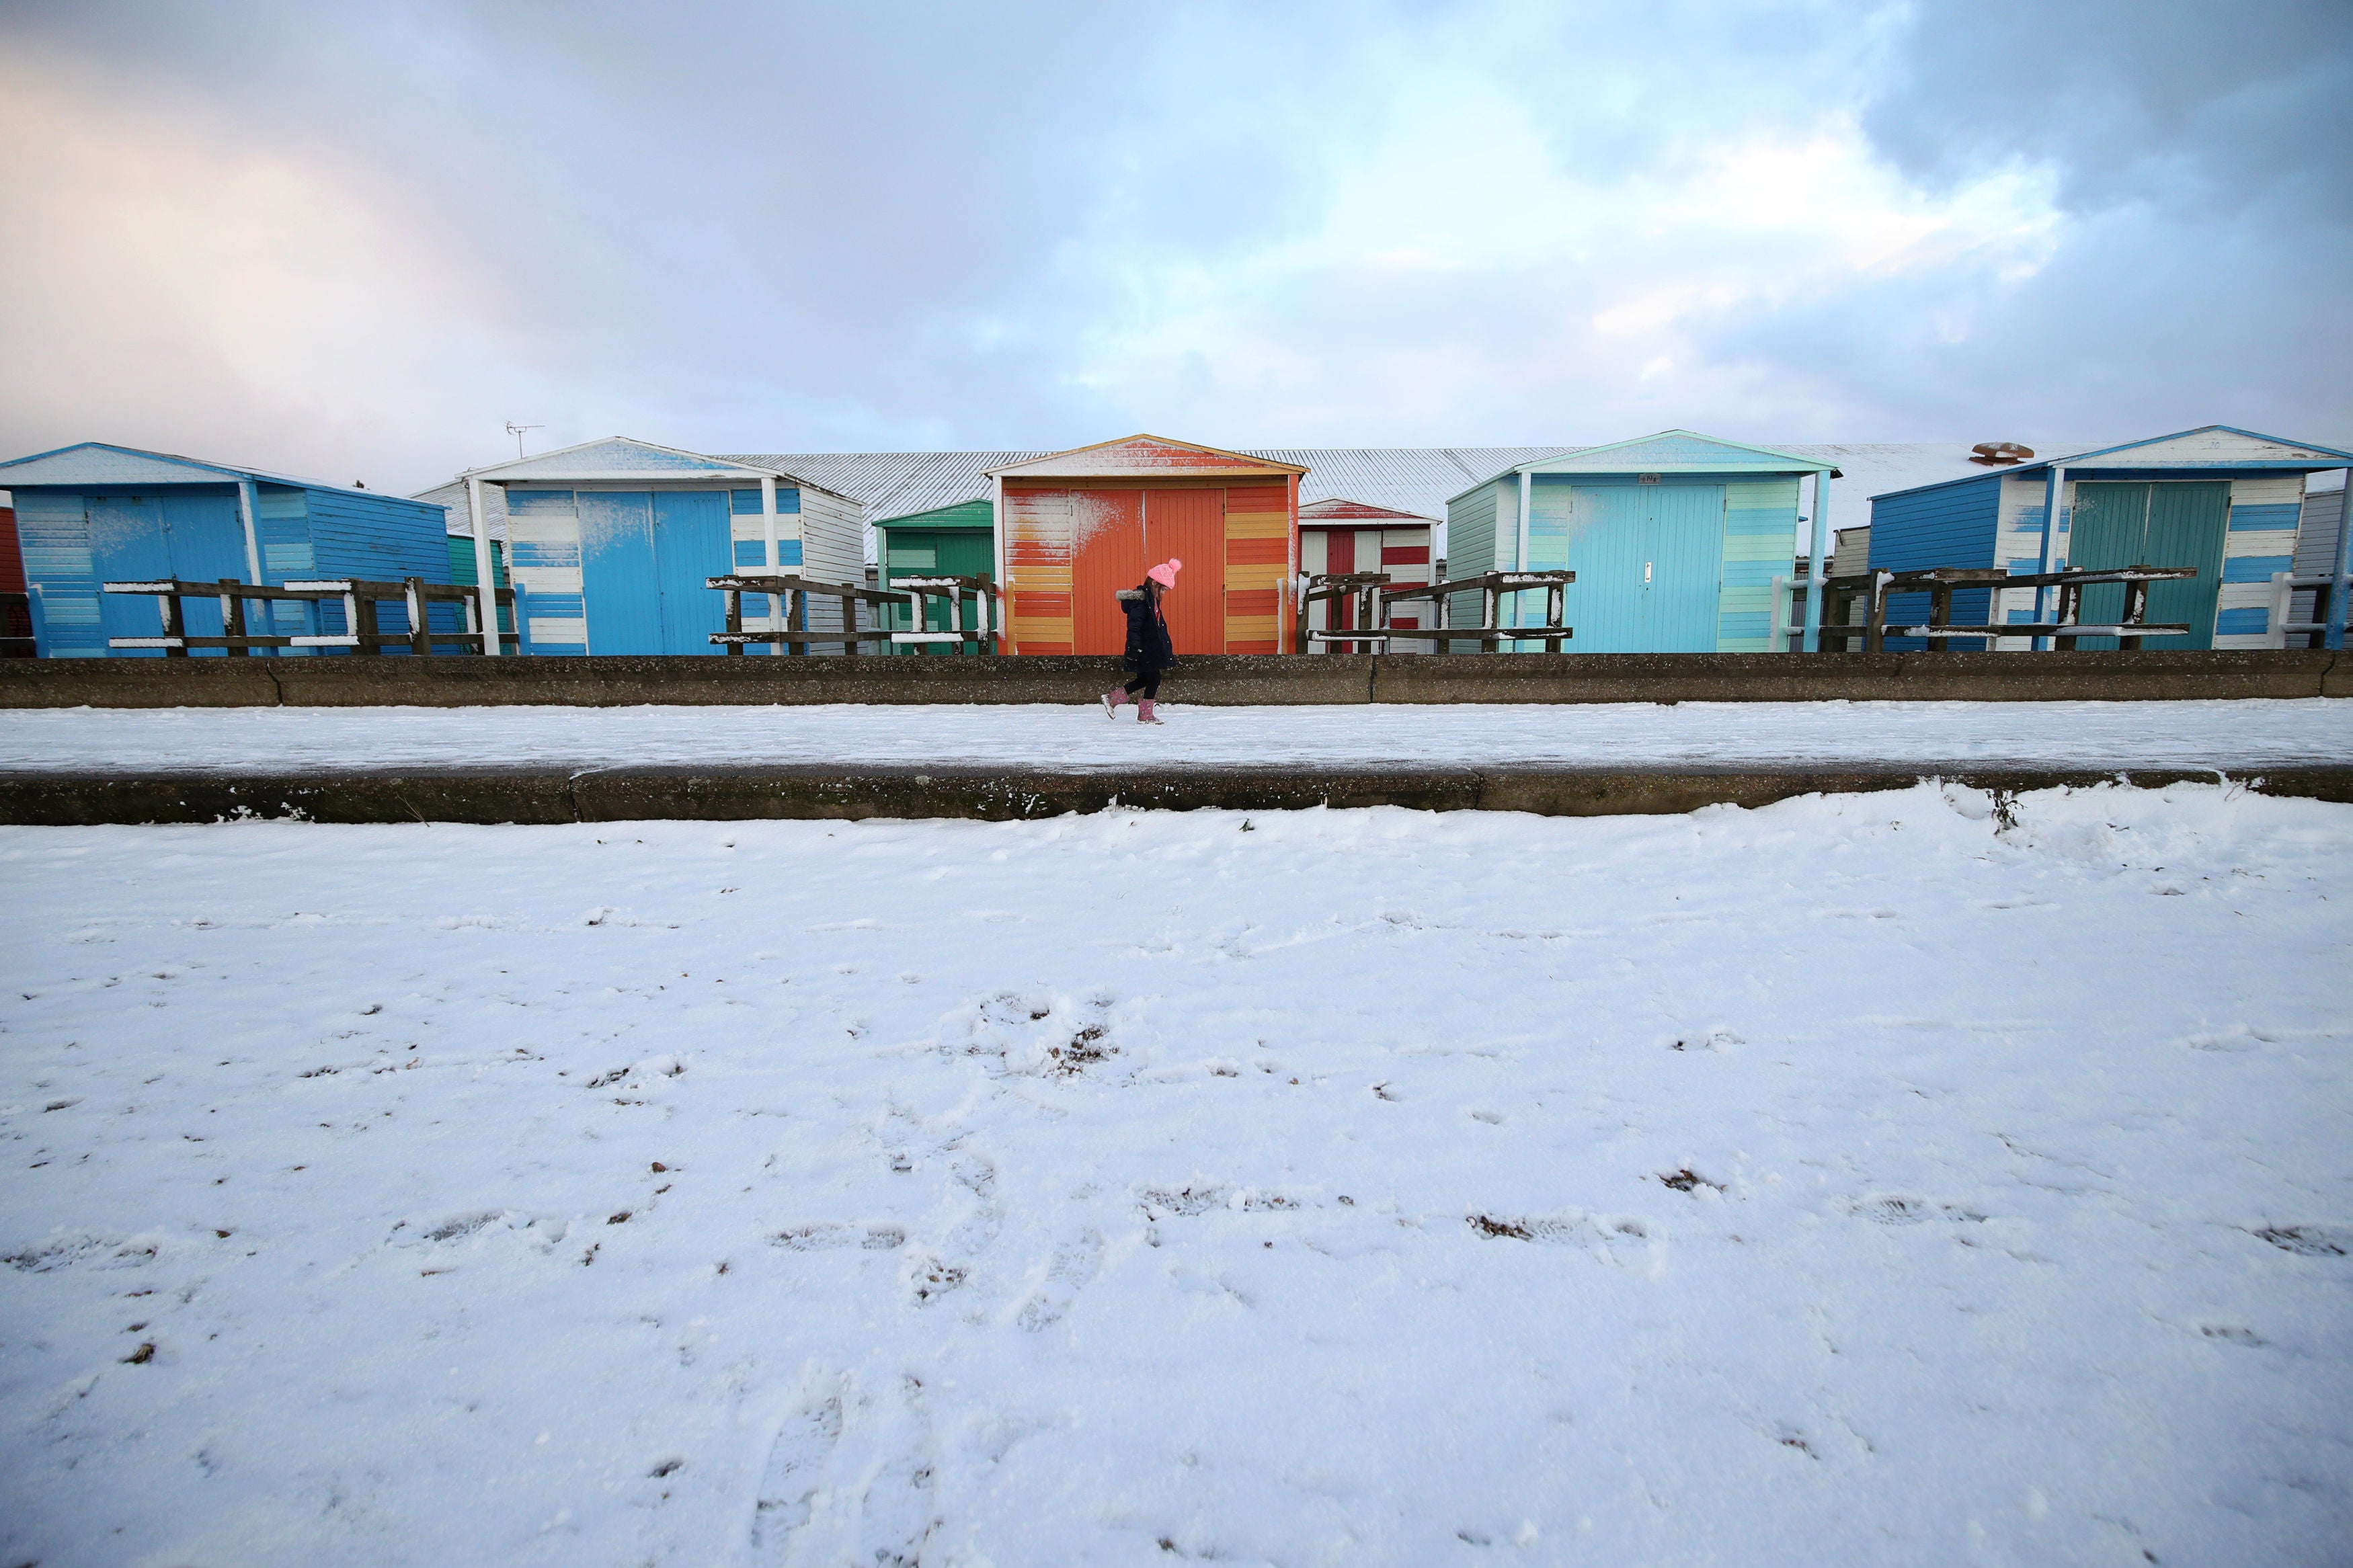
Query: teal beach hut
{"type": "Point", "coordinates": [1675, 540]}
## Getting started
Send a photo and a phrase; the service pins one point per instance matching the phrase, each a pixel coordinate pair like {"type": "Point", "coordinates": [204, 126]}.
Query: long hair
{"type": "Point", "coordinates": [1152, 592]}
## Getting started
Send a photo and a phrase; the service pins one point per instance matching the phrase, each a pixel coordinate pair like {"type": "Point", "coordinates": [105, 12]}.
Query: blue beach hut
{"type": "Point", "coordinates": [95, 513]}
{"type": "Point", "coordinates": [611, 542]}
{"type": "Point", "coordinates": [1675, 540]}
{"type": "Point", "coordinates": [2224, 500]}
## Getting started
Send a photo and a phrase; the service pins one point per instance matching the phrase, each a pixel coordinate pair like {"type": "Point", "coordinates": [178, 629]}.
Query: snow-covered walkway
{"type": "Point", "coordinates": [2251, 733]}
{"type": "Point", "coordinates": [1857, 1180]}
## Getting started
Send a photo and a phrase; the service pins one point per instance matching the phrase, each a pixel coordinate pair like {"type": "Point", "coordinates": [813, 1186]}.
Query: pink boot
{"type": "Point", "coordinates": [1111, 699]}
{"type": "Point", "coordinates": [1144, 714]}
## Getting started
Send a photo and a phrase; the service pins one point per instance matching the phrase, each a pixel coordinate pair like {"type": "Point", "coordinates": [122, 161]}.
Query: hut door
{"type": "Point", "coordinates": [2169, 525]}
{"type": "Point", "coordinates": [205, 539]}
{"type": "Point", "coordinates": [691, 542]}
{"type": "Point", "coordinates": [126, 545]}
{"type": "Point", "coordinates": [617, 590]}
{"type": "Point", "coordinates": [1683, 554]}
{"type": "Point", "coordinates": [1107, 555]}
{"type": "Point", "coordinates": [1190, 525]}
{"type": "Point", "coordinates": [1606, 538]}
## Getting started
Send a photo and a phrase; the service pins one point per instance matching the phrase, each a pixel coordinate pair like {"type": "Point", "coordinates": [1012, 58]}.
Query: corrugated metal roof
{"type": "Point", "coordinates": [893, 484]}
{"type": "Point", "coordinates": [1416, 480]}
{"type": "Point", "coordinates": [100, 462]}
{"type": "Point", "coordinates": [1410, 478]}
{"type": "Point", "coordinates": [1341, 510]}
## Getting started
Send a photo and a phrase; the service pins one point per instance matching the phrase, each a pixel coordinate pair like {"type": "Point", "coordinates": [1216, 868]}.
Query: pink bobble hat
{"type": "Point", "coordinates": [1165, 572]}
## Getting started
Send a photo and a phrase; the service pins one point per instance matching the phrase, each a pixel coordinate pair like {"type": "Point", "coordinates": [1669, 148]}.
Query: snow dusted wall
{"type": "Point", "coordinates": [1760, 518]}
{"type": "Point", "coordinates": [2266, 507]}
{"type": "Point", "coordinates": [1676, 538]}
{"type": "Point", "coordinates": [2265, 510]}
{"type": "Point", "coordinates": [1473, 521]}
{"type": "Point", "coordinates": [544, 537]}
{"type": "Point", "coordinates": [543, 556]}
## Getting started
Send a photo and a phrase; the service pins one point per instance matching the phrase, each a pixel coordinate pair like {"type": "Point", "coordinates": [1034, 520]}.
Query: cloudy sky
{"type": "Point", "coordinates": [353, 240]}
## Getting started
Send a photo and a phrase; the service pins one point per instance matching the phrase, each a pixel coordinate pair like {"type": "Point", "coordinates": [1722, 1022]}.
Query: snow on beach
{"type": "Point", "coordinates": [1861, 1179]}
{"type": "Point", "coordinates": [2248, 733]}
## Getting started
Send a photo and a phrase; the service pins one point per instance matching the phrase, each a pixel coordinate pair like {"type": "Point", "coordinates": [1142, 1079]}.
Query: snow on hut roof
{"type": "Point", "coordinates": [1340, 510]}
{"type": "Point", "coordinates": [1415, 479]}
{"type": "Point", "coordinates": [1143, 456]}
{"type": "Point", "coordinates": [1411, 479]}
{"type": "Point", "coordinates": [104, 463]}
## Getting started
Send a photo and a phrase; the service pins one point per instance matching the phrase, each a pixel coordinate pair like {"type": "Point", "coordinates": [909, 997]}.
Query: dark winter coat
{"type": "Point", "coordinates": [1149, 648]}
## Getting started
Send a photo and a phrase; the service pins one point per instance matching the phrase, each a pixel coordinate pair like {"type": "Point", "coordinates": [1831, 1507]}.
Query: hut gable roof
{"type": "Point", "coordinates": [1673, 452]}
{"type": "Point", "coordinates": [613, 456]}
{"type": "Point", "coordinates": [1145, 457]}
{"type": "Point", "coordinates": [2208, 448]}
{"type": "Point", "coordinates": [100, 463]}
{"type": "Point", "coordinates": [2214, 446]}
{"type": "Point", "coordinates": [1340, 510]}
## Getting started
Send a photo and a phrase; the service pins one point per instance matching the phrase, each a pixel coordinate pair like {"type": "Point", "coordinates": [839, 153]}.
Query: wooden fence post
{"type": "Point", "coordinates": [420, 628]}
{"type": "Point", "coordinates": [233, 616]}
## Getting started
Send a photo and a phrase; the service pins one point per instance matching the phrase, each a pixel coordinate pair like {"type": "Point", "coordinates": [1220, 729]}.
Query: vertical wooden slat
{"type": "Point", "coordinates": [233, 617]}
{"type": "Point", "coordinates": [420, 631]}
{"type": "Point", "coordinates": [1874, 631]}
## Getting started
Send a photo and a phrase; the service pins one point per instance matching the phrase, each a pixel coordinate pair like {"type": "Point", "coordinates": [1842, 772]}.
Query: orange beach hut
{"type": "Point", "coordinates": [1075, 528]}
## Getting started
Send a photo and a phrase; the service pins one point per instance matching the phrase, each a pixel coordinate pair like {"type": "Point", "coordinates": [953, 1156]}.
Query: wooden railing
{"type": "Point", "coordinates": [1876, 589]}
{"type": "Point", "coordinates": [1357, 591]}
{"type": "Point", "coordinates": [1490, 587]}
{"type": "Point", "coordinates": [358, 595]}
{"type": "Point", "coordinates": [914, 593]}
{"type": "Point", "coordinates": [953, 590]}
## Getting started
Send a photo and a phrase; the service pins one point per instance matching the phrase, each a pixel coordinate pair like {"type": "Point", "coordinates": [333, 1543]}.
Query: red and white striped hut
{"type": "Point", "coordinates": [1340, 536]}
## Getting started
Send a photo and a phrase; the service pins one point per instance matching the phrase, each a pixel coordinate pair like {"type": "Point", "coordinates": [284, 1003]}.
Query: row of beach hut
{"type": "Point", "coordinates": [1679, 541]}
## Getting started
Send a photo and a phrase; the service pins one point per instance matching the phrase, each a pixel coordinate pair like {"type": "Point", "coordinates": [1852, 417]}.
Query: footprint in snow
{"type": "Point", "coordinates": [850, 1475]}
{"type": "Point", "coordinates": [1075, 1264]}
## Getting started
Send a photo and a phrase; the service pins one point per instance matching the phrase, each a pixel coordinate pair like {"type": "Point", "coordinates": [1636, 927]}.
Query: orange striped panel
{"type": "Point", "coordinates": [1258, 525]}
{"type": "Point", "coordinates": [1258, 498]}
{"type": "Point", "coordinates": [1256, 645]}
{"type": "Point", "coordinates": [1249, 601]}
{"type": "Point", "coordinates": [1034, 607]}
{"type": "Point", "coordinates": [1248, 551]}
{"type": "Point", "coordinates": [1028, 647]}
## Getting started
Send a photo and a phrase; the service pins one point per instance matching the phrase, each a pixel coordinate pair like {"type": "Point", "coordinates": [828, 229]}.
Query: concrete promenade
{"type": "Point", "coordinates": [1429, 767]}
{"type": "Point", "coordinates": [1219, 680]}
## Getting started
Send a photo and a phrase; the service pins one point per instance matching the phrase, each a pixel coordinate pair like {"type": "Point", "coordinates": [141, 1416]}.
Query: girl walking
{"type": "Point", "coordinates": [1149, 652]}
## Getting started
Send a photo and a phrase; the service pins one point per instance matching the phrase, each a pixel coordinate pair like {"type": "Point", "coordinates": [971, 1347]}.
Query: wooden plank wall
{"type": "Point", "coordinates": [1760, 532]}
{"type": "Point", "coordinates": [2264, 510]}
{"type": "Point", "coordinates": [1039, 530]}
{"type": "Point", "coordinates": [1258, 561]}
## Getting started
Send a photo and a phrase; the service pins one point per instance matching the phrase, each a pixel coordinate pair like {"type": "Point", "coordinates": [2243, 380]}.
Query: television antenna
{"type": "Point", "coordinates": [516, 431]}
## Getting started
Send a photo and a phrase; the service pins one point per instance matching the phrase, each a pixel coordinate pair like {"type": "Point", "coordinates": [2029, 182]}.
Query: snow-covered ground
{"type": "Point", "coordinates": [1857, 1180]}
{"type": "Point", "coordinates": [2250, 733]}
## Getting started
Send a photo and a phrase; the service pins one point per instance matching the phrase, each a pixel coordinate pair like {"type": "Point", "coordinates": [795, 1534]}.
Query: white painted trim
{"type": "Point", "coordinates": [2343, 571]}
{"type": "Point", "coordinates": [1005, 643]}
{"type": "Point", "coordinates": [769, 540]}
{"type": "Point", "coordinates": [486, 578]}
{"type": "Point", "coordinates": [245, 511]}
{"type": "Point", "coordinates": [1818, 565]}
{"type": "Point", "coordinates": [2055, 500]}
{"type": "Point", "coordinates": [1527, 500]}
